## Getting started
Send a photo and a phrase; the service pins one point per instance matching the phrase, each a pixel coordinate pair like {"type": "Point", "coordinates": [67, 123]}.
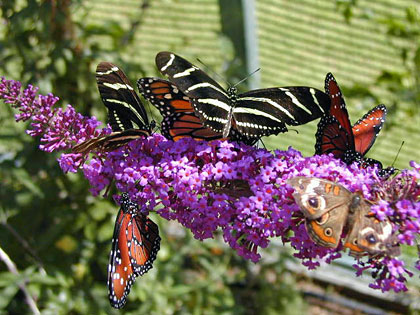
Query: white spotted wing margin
{"type": "Point", "coordinates": [135, 244]}
{"type": "Point", "coordinates": [253, 114]}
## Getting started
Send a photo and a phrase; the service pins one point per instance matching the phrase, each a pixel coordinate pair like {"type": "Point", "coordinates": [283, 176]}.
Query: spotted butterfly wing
{"type": "Point", "coordinates": [330, 209]}
{"type": "Point", "coordinates": [331, 137]}
{"type": "Point", "coordinates": [366, 129]}
{"type": "Point", "coordinates": [336, 135]}
{"type": "Point", "coordinates": [253, 114]}
{"type": "Point", "coordinates": [135, 244]}
{"type": "Point", "coordinates": [179, 119]}
{"type": "Point", "coordinates": [338, 107]}
{"type": "Point", "coordinates": [369, 235]}
{"type": "Point", "coordinates": [126, 113]}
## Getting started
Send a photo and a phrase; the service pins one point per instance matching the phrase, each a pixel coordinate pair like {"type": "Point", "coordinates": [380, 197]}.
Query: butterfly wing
{"type": "Point", "coordinates": [120, 272]}
{"type": "Point", "coordinates": [210, 101]}
{"type": "Point", "coordinates": [338, 106]}
{"type": "Point", "coordinates": [190, 79]}
{"type": "Point", "coordinates": [109, 142]}
{"type": "Point", "coordinates": [135, 244]}
{"type": "Point", "coordinates": [145, 244]}
{"type": "Point", "coordinates": [126, 113]}
{"type": "Point", "coordinates": [325, 206]}
{"type": "Point", "coordinates": [179, 119]}
{"type": "Point", "coordinates": [331, 137]}
{"type": "Point", "coordinates": [125, 109]}
{"type": "Point", "coordinates": [265, 112]}
{"type": "Point", "coordinates": [368, 235]}
{"type": "Point", "coordinates": [366, 129]}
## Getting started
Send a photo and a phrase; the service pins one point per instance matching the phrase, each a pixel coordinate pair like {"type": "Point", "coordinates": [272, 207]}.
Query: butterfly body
{"type": "Point", "coordinates": [331, 210]}
{"type": "Point", "coordinates": [253, 114]}
{"type": "Point", "coordinates": [135, 244]}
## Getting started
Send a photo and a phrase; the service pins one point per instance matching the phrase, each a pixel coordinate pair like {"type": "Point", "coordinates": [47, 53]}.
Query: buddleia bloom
{"type": "Point", "coordinates": [219, 185]}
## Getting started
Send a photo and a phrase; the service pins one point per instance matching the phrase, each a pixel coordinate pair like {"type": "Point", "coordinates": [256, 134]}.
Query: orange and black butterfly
{"type": "Point", "coordinates": [179, 119]}
{"type": "Point", "coordinates": [126, 113]}
{"type": "Point", "coordinates": [336, 135]}
{"type": "Point", "coordinates": [135, 244]}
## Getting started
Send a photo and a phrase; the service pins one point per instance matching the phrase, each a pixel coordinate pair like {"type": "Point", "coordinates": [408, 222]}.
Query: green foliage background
{"type": "Point", "coordinates": [59, 236]}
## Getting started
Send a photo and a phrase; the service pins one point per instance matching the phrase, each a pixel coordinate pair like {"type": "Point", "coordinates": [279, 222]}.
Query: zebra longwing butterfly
{"type": "Point", "coordinates": [126, 113]}
{"type": "Point", "coordinates": [179, 119]}
{"type": "Point", "coordinates": [350, 143]}
{"type": "Point", "coordinates": [135, 244]}
{"type": "Point", "coordinates": [253, 114]}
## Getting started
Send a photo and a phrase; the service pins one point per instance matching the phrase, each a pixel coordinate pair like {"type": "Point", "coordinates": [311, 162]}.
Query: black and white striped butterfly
{"type": "Point", "coordinates": [253, 114]}
{"type": "Point", "coordinates": [126, 113]}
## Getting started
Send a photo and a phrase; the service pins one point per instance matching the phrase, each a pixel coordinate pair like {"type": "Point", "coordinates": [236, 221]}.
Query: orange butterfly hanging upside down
{"type": "Point", "coordinates": [135, 244]}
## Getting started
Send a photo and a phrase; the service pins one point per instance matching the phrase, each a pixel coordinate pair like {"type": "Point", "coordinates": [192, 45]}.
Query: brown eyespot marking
{"type": "Point", "coordinates": [328, 241]}
{"type": "Point", "coordinates": [313, 202]}
{"type": "Point", "coordinates": [323, 219]}
{"type": "Point", "coordinates": [328, 232]}
{"type": "Point", "coordinates": [371, 239]}
{"type": "Point", "coordinates": [336, 190]}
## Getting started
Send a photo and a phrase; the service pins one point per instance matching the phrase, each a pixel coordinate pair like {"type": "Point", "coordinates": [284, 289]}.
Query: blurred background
{"type": "Point", "coordinates": [59, 237]}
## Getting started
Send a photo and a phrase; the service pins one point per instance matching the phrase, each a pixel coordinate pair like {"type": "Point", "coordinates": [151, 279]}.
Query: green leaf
{"type": "Point", "coordinates": [7, 294]}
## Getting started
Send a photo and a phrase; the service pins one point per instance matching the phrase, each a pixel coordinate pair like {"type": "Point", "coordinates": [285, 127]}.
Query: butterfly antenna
{"type": "Point", "coordinates": [213, 72]}
{"type": "Point", "coordinates": [398, 153]}
{"type": "Point", "coordinates": [223, 79]}
{"type": "Point", "coordinates": [247, 77]}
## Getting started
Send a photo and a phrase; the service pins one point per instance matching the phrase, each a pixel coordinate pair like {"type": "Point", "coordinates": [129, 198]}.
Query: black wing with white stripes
{"type": "Point", "coordinates": [126, 113]}
{"type": "Point", "coordinates": [253, 114]}
{"type": "Point", "coordinates": [125, 109]}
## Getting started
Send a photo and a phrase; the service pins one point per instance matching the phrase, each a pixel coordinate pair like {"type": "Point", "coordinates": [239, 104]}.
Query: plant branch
{"type": "Point", "coordinates": [12, 268]}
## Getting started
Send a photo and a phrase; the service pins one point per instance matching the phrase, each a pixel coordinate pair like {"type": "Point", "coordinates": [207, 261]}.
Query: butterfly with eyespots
{"type": "Point", "coordinates": [330, 209]}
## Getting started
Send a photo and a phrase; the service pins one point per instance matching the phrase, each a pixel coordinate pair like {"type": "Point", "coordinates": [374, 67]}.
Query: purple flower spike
{"type": "Point", "coordinates": [59, 129]}
{"type": "Point", "coordinates": [238, 189]}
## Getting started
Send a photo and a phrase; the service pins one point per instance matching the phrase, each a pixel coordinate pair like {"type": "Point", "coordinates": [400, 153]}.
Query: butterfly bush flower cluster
{"type": "Point", "coordinates": [218, 185]}
{"type": "Point", "coordinates": [59, 129]}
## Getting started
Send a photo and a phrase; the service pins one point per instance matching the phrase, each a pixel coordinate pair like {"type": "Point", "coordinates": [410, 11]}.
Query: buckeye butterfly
{"type": "Point", "coordinates": [179, 119]}
{"type": "Point", "coordinates": [349, 143]}
{"type": "Point", "coordinates": [135, 244]}
{"type": "Point", "coordinates": [330, 209]}
{"type": "Point", "coordinates": [126, 113]}
{"type": "Point", "coordinates": [252, 114]}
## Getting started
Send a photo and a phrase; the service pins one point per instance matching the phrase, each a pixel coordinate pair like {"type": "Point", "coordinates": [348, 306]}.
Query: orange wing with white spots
{"type": "Point", "coordinates": [367, 128]}
{"type": "Point", "coordinates": [135, 244]}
